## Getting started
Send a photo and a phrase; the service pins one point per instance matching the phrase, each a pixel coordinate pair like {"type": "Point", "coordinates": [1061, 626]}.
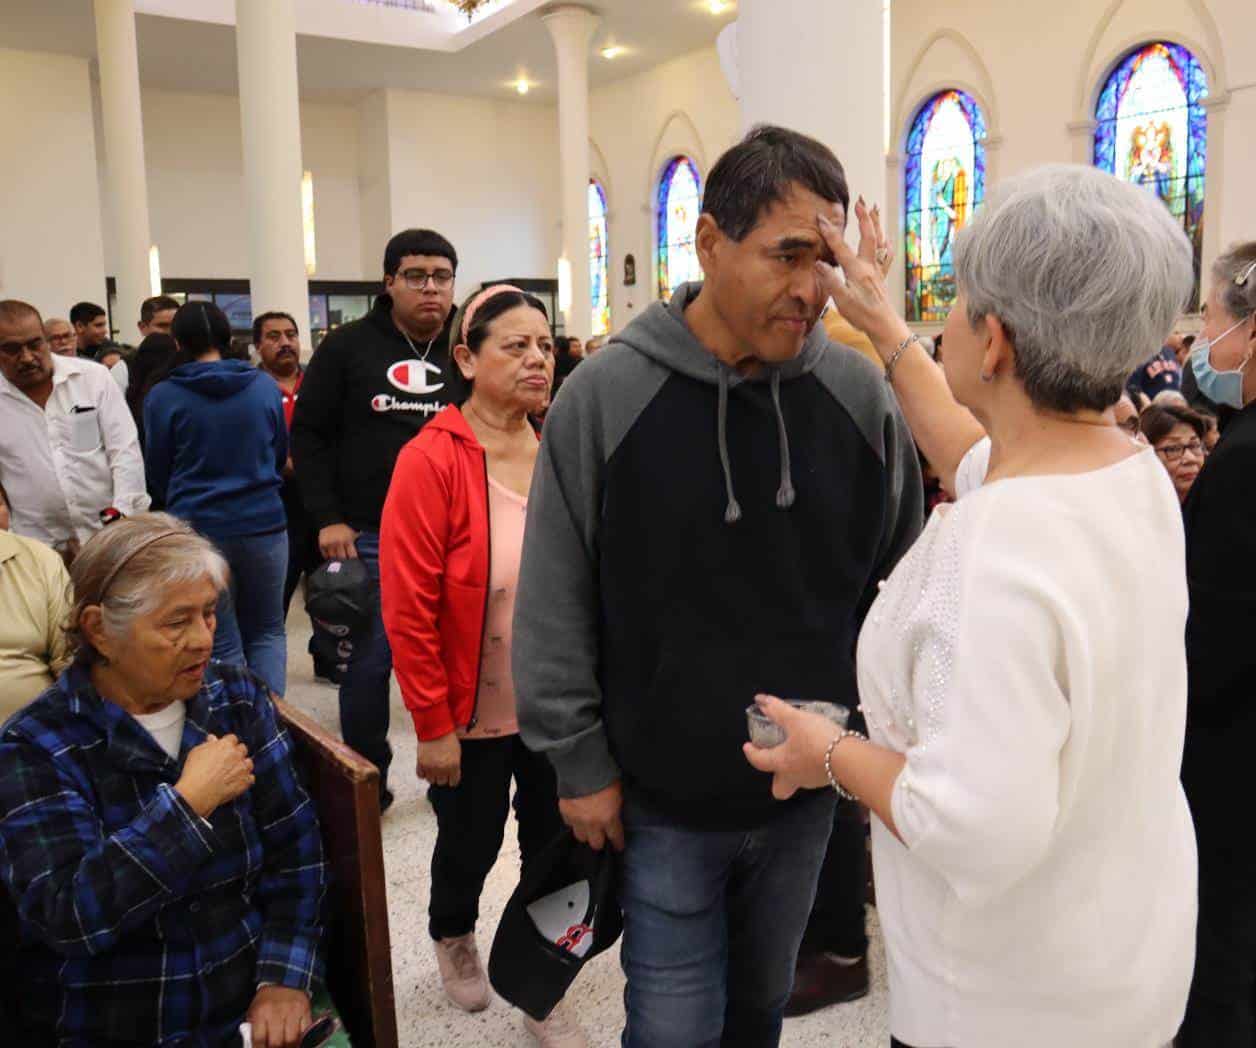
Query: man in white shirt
{"type": "Point", "coordinates": [68, 447]}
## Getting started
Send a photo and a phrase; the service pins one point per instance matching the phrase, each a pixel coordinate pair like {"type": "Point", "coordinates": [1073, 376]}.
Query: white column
{"type": "Point", "coordinates": [126, 181]}
{"type": "Point", "coordinates": [825, 79]}
{"type": "Point", "coordinates": [571, 29]}
{"type": "Point", "coordinates": [270, 123]}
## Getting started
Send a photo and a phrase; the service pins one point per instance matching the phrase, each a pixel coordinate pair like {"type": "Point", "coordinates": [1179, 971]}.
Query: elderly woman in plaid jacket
{"type": "Point", "coordinates": [164, 861]}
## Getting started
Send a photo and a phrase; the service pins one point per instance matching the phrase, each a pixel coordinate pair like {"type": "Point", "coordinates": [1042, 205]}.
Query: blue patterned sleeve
{"type": "Point", "coordinates": [79, 888]}
{"type": "Point", "coordinates": [294, 878]}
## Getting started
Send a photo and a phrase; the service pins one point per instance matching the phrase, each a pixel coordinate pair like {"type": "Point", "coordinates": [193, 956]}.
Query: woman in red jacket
{"type": "Point", "coordinates": [450, 543]}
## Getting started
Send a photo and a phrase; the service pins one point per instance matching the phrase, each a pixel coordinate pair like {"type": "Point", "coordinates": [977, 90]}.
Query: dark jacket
{"type": "Point", "coordinates": [1161, 372]}
{"type": "Point", "coordinates": [365, 394]}
{"type": "Point", "coordinates": [1220, 518]}
{"type": "Point", "coordinates": [694, 538]}
{"type": "Point", "coordinates": [141, 922]}
{"type": "Point", "coordinates": [215, 448]}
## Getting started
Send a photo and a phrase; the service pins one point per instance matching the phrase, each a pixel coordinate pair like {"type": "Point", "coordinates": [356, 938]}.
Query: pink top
{"type": "Point", "coordinates": [495, 703]}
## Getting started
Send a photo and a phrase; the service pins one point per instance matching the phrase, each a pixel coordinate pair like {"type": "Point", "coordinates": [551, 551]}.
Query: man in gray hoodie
{"type": "Point", "coordinates": [717, 495]}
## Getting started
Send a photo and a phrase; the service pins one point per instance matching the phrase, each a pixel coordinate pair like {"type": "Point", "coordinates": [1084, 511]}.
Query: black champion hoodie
{"type": "Point", "coordinates": [694, 538]}
{"type": "Point", "coordinates": [365, 394]}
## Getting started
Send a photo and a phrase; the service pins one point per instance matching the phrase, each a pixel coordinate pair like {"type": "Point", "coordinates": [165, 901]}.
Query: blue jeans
{"type": "Point", "coordinates": [712, 924]}
{"type": "Point", "coordinates": [250, 613]}
{"type": "Point", "coordinates": [364, 687]}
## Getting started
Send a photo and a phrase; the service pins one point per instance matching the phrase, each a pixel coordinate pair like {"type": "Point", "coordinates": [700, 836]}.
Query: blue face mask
{"type": "Point", "coordinates": [1221, 387]}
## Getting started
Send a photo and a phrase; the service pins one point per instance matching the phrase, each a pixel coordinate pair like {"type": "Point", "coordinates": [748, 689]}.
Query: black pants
{"type": "Point", "coordinates": [837, 922]}
{"type": "Point", "coordinates": [303, 555]}
{"type": "Point", "coordinates": [471, 822]}
{"type": "Point", "coordinates": [1221, 1009]}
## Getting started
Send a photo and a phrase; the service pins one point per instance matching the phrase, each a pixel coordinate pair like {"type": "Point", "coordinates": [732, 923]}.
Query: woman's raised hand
{"type": "Point", "coordinates": [857, 282]}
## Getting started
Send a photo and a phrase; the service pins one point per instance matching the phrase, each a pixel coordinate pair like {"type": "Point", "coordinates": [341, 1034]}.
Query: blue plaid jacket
{"type": "Point", "coordinates": [142, 923]}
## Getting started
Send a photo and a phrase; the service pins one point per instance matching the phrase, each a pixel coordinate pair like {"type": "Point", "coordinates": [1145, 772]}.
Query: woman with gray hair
{"type": "Point", "coordinates": [1221, 716]}
{"type": "Point", "coordinates": [1034, 855]}
{"type": "Point", "coordinates": [164, 861]}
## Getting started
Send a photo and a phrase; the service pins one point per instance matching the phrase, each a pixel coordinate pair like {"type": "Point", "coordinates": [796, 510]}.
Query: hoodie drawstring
{"type": "Point", "coordinates": [732, 513]}
{"type": "Point", "coordinates": [785, 494]}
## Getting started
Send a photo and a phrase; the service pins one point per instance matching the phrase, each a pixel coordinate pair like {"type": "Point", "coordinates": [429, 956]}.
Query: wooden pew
{"type": "Point", "coordinates": [345, 789]}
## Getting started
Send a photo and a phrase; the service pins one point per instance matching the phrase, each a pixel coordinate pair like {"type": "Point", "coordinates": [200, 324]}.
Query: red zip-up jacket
{"type": "Point", "coordinates": [434, 572]}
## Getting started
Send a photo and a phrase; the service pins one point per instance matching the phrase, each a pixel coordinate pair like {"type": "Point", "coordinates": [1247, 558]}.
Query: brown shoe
{"type": "Point", "coordinates": [820, 980]}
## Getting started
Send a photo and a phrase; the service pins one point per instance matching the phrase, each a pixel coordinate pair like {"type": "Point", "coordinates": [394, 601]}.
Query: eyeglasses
{"type": "Point", "coordinates": [1174, 452]}
{"type": "Point", "coordinates": [1242, 278]}
{"type": "Point", "coordinates": [13, 350]}
{"type": "Point", "coordinates": [417, 279]}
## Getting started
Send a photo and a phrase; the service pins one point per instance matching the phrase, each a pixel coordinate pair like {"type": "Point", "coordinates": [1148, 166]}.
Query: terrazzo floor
{"type": "Point", "coordinates": [425, 1019]}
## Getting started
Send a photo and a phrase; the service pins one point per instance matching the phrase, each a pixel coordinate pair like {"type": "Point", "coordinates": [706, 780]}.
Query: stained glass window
{"type": "Point", "coordinates": [945, 183]}
{"type": "Point", "coordinates": [679, 204]}
{"type": "Point", "coordinates": [599, 260]}
{"type": "Point", "coordinates": [1151, 129]}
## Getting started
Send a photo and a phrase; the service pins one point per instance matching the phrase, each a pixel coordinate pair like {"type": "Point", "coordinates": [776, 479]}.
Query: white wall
{"type": "Point", "coordinates": [481, 172]}
{"type": "Point", "coordinates": [637, 125]}
{"type": "Point", "coordinates": [51, 245]}
{"type": "Point", "coordinates": [196, 185]}
{"type": "Point", "coordinates": [1037, 78]}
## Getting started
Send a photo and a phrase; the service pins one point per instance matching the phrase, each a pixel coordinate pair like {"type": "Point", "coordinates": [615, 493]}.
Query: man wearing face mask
{"type": "Point", "coordinates": [1220, 517]}
{"type": "Point", "coordinates": [367, 391]}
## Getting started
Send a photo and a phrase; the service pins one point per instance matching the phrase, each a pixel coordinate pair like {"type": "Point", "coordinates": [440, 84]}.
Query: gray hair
{"type": "Point", "coordinates": [1087, 273]}
{"type": "Point", "coordinates": [127, 568]}
{"type": "Point", "coordinates": [1234, 274]}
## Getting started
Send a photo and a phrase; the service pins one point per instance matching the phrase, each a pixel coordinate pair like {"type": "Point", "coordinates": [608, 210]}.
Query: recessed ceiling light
{"type": "Point", "coordinates": [718, 7]}
{"type": "Point", "coordinates": [522, 86]}
{"type": "Point", "coordinates": [613, 51]}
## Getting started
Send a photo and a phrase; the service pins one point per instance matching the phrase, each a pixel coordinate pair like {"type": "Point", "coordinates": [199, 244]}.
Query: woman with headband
{"type": "Point", "coordinates": [450, 544]}
{"type": "Point", "coordinates": [214, 453]}
{"type": "Point", "coordinates": [164, 861]}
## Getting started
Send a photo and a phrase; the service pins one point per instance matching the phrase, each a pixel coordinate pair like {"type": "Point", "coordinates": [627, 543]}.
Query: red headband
{"type": "Point", "coordinates": [479, 301]}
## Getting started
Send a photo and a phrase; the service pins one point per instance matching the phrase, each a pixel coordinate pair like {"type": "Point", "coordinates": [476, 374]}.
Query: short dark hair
{"type": "Point", "coordinates": [417, 242]}
{"type": "Point", "coordinates": [150, 307]}
{"type": "Point", "coordinates": [85, 312]}
{"type": "Point", "coordinates": [761, 169]}
{"type": "Point", "coordinates": [259, 322]}
{"type": "Point", "coordinates": [1157, 421]}
{"type": "Point", "coordinates": [13, 309]}
{"type": "Point", "coordinates": [199, 327]}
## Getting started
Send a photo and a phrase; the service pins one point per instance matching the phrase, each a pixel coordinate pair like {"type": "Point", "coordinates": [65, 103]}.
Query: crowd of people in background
{"type": "Point", "coordinates": [535, 535]}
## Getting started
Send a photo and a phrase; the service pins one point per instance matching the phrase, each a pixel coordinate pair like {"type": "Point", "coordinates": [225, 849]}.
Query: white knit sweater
{"type": "Point", "coordinates": [1027, 657]}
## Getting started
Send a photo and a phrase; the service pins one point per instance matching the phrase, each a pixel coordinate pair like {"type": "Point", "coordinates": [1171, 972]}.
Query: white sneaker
{"type": "Point", "coordinates": [462, 974]}
{"type": "Point", "coordinates": [559, 1030]}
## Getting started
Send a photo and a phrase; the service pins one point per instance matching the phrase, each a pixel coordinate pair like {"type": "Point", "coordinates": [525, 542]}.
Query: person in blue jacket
{"type": "Point", "coordinates": [215, 452]}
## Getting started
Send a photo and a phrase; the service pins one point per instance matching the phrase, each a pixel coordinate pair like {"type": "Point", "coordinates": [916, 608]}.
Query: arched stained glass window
{"type": "Point", "coordinates": [1151, 129]}
{"type": "Point", "coordinates": [599, 260]}
{"type": "Point", "coordinates": [945, 183]}
{"type": "Point", "coordinates": [676, 211]}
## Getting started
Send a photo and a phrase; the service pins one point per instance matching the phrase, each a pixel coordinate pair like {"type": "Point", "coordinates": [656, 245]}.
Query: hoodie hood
{"type": "Point", "coordinates": [218, 379]}
{"type": "Point", "coordinates": [662, 334]}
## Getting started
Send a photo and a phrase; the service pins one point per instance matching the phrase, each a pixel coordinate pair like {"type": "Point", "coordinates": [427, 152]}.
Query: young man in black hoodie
{"type": "Point", "coordinates": [718, 493]}
{"type": "Point", "coordinates": [367, 391]}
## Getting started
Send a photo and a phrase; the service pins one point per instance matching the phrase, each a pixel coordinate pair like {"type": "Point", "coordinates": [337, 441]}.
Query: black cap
{"type": "Point", "coordinates": [564, 913]}
{"type": "Point", "coordinates": [339, 596]}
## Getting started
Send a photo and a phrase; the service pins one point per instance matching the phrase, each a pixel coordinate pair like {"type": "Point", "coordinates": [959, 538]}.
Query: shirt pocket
{"type": "Point", "coordinates": [83, 430]}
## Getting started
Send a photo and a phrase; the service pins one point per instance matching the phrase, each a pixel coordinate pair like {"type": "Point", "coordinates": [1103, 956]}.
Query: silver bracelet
{"type": "Point", "coordinates": [845, 794]}
{"type": "Point", "coordinates": [902, 348]}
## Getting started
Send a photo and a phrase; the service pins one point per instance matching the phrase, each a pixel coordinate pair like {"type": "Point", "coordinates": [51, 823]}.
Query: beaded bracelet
{"type": "Point", "coordinates": [846, 795]}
